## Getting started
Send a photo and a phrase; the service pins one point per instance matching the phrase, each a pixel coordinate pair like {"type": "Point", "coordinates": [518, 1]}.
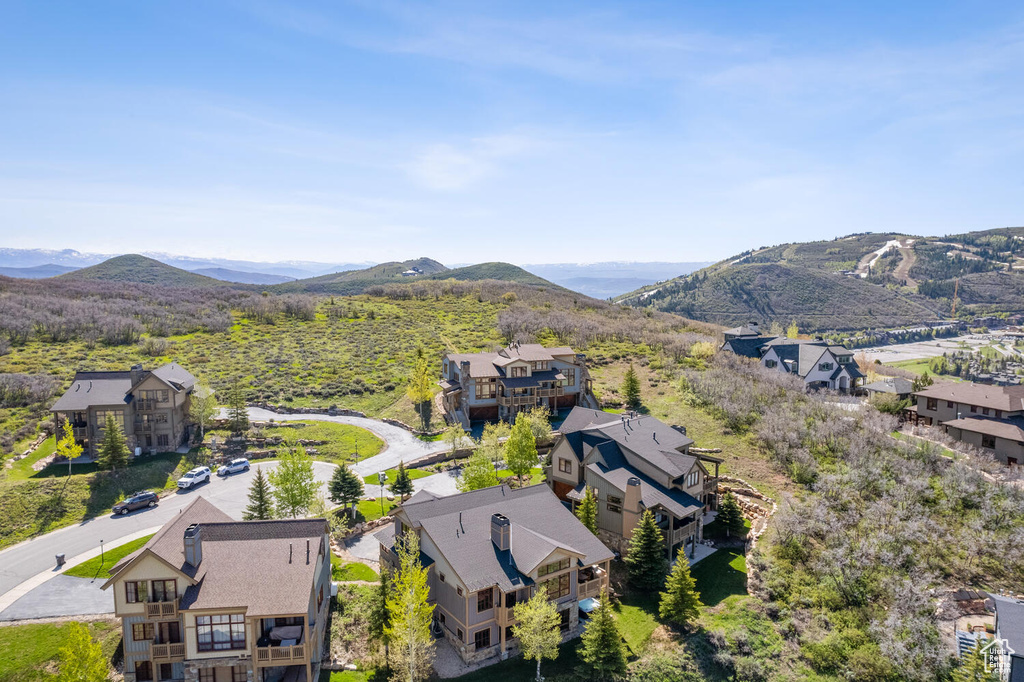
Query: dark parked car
{"type": "Point", "coordinates": [136, 501]}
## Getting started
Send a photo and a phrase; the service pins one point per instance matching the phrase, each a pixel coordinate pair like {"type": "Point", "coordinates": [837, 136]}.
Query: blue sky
{"type": "Point", "coordinates": [527, 132]}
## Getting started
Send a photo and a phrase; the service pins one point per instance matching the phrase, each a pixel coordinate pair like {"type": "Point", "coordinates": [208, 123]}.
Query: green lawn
{"type": "Point", "coordinates": [393, 473]}
{"type": "Point", "coordinates": [368, 510]}
{"type": "Point", "coordinates": [343, 441]}
{"type": "Point", "coordinates": [519, 669]}
{"type": "Point", "coordinates": [720, 576]}
{"type": "Point", "coordinates": [355, 571]}
{"type": "Point", "coordinates": [22, 469]}
{"type": "Point", "coordinates": [95, 568]}
{"type": "Point", "coordinates": [28, 650]}
{"type": "Point", "coordinates": [352, 676]}
{"type": "Point", "coordinates": [918, 366]}
{"type": "Point", "coordinates": [715, 531]}
{"type": "Point", "coordinates": [637, 617]}
{"type": "Point", "coordinates": [536, 475]}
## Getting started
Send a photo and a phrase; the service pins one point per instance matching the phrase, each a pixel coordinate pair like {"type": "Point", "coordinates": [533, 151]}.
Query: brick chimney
{"type": "Point", "coordinates": [193, 545]}
{"type": "Point", "coordinates": [501, 532]}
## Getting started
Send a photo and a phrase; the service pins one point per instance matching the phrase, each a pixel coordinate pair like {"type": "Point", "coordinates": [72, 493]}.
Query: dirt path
{"type": "Point", "coordinates": [903, 269]}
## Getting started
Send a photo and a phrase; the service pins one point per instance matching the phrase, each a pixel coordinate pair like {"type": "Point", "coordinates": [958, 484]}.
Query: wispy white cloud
{"type": "Point", "coordinates": [448, 167]}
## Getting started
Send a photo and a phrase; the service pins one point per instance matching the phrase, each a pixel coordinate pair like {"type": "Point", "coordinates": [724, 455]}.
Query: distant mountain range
{"type": "Point", "coordinates": [856, 282]}
{"type": "Point", "coordinates": [600, 280]}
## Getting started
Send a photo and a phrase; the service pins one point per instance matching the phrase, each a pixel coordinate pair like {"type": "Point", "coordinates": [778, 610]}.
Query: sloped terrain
{"type": "Point", "coordinates": [142, 270]}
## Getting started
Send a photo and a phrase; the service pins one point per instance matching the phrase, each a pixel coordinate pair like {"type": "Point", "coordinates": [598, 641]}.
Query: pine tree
{"type": "Point", "coordinates": [402, 485]}
{"type": "Point", "coordinates": [345, 488]}
{"type": "Point", "coordinates": [631, 387]}
{"type": "Point", "coordinates": [645, 559]}
{"type": "Point", "coordinates": [730, 517]}
{"type": "Point", "coordinates": [113, 452]}
{"type": "Point", "coordinates": [378, 619]}
{"type": "Point", "coordinates": [294, 483]}
{"type": "Point", "coordinates": [680, 602]}
{"type": "Point", "coordinates": [586, 511]}
{"type": "Point", "coordinates": [261, 507]}
{"type": "Point", "coordinates": [537, 628]}
{"type": "Point", "coordinates": [974, 667]}
{"type": "Point", "coordinates": [81, 658]}
{"type": "Point", "coordinates": [602, 650]}
{"type": "Point", "coordinates": [521, 449]}
{"type": "Point", "coordinates": [477, 473]}
{"type": "Point", "coordinates": [420, 391]}
{"type": "Point", "coordinates": [408, 634]}
{"type": "Point", "coordinates": [67, 446]}
{"type": "Point", "coordinates": [238, 411]}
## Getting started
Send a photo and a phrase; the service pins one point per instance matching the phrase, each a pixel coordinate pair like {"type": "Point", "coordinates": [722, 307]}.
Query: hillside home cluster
{"type": "Point", "coordinates": [519, 377]}
{"type": "Point", "coordinates": [634, 463]}
{"type": "Point", "coordinates": [209, 599]}
{"type": "Point", "coordinates": [151, 407]}
{"type": "Point", "coordinates": [985, 416]}
{"type": "Point", "coordinates": [818, 363]}
{"type": "Point", "coordinates": [490, 549]}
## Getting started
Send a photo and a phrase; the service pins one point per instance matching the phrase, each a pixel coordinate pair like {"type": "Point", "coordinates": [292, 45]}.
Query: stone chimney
{"type": "Point", "coordinates": [136, 374]}
{"type": "Point", "coordinates": [501, 532]}
{"type": "Point", "coordinates": [632, 507]}
{"type": "Point", "coordinates": [193, 545]}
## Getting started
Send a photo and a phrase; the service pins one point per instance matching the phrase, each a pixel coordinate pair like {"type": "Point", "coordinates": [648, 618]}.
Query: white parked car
{"type": "Point", "coordinates": [194, 477]}
{"type": "Point", "coordinates": [233, 467]}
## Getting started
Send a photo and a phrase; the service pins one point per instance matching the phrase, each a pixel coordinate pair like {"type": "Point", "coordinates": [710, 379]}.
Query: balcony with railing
{"type": "Point", "coordinates": [281, 645]}
{"type": "Point", "coordinates": [145, 405]}
{"type": "Point", "coordinates": [682, 532]}
{"type": "Point", "coordinates": [590, 581]}
{"type": "Point", "coordinates": [169, 652]}
{"type": "Point", "coordinates": [162, 609]}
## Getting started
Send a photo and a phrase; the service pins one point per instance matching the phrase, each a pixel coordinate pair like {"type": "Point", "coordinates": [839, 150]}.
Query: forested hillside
{"type": "Point", "coordinates": [855, 282]}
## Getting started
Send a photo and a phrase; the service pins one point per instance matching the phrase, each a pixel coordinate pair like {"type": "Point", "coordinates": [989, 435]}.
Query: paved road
{"type": "Point", "coordinates": [35, 556]}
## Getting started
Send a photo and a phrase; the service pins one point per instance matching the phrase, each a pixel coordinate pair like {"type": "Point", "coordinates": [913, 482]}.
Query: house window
{"type": "Point", "coordinates": [484, 601]}
{"type": "Point", "coordinates": [570, 376]}
{"type": "Point", "coordinates": [557, 587]}
{"type": "Point", "coordinates": [844, 359]}
{"type": "Point", "coordinates": [988, 441]}
{"type": "Point", "coordinates": [136, 592]}
{"type": "Point", "coordinates": [320, 598]}
{"type": "Point", "coordinates": [485, 388]}
{"type": "Point", "coordinates": [949, 403]}
{"type": "Point", "coordinates": [509, 634]}
{"type": "Point", "coordinates": [164, 590]}
{"type": "Point", "coordinates": [162, 440]}
{"type": "Point", "coordinates": [999, 414]}
{"type": "Point", "coordinates": [458, 633]}
{"type": "Point", "coordinates": [215, 633]}
{"type": "Point", "coordinates": [161, 418]}
{"type": "Point", "coordinates": [482, 639]}
{"type": "Point", "coordinates": [518, 372]}
{"type": "Point", "coordinates": [142, 632]}
{"type": "Point", "coordinates": [167, 672]}
{"type": "Point", "coordinates": [143, 671]}
{"type": "Point", "coordinates": [440, 618]}
{"type": "Point", "coordinates": [825, 366]}
{"type": "Point", "coordinates": [564, 465]}
{"type": "Point", "coordinates": [614, 500]}
{"type": "Point", "coordinates": [553, 567]}
{"type": "Point", "coordinates": [164, 396]}
{"type": "Point", "coordinates": [770, 364]}
{"type": "Point", "coordinates": [974, 408]}
{"type": "Point", "coordinates": [440, 576]}
{"type": "Point", "coordinates": [238, 673]}
{"type": "Point", "coordinates": [933, 404]}
{"type": "Point", "coordinates": [614, 508]}
{"type": "Point", "coordinates": [459, 590]}
{"type": "Point", "coordinates": [206, 675]}
{"type": "Point", "coordinates": [984, 410]}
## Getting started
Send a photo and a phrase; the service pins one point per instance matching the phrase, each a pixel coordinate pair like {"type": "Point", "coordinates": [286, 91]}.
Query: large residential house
{"type": "Point", "coordinates": [817, 363]}
{"type": "Point", "coordinates": [488, 550]}
{"type": "Point", "coordinates": [1010, 637]}
{"type": "Point", "coordinates": [634, 463]}
{"type": "Point", "coordinates": [209, 599]}
{"type": "Point", "coordinates": [985, 416]}
{"type": "Point", "coordinates": [151, 407]}
{"type": "Point", "coordinates": [519, 377]}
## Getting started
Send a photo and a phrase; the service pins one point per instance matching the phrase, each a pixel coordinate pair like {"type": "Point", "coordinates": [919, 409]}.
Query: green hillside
{"type": "Point", "coordinates": [854, 282]}
{"type": "Point", "coordinates": [141, 270]}
{"type": "Point", "coordinates": [352, 282]}
{"type": "Point", "coordinates": [505, 272]}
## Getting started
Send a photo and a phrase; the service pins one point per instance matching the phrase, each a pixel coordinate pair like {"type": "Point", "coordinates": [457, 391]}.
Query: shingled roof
{"type": "Point", "coordinates": [102, 389]}
{"type": "Point", "coordinates": [460, 528]}
{"type": "Point", "coordinates": [1006, 398]}
{"type": "Point", "coordinates": [488, 365]}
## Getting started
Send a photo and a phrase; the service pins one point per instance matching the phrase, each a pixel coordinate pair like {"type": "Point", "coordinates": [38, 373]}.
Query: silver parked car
{"type": "Point", "coordinates": [233, 467]}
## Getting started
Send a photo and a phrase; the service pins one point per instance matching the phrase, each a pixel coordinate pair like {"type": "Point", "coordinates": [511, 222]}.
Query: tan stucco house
{"type": "Point", "coordinates": [209, 599]}
{"type": "Point", "coordinates": [988, 417]}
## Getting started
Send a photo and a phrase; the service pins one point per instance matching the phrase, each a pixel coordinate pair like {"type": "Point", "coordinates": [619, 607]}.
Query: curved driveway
{"type": "Point", "coordinates": [28, 559]}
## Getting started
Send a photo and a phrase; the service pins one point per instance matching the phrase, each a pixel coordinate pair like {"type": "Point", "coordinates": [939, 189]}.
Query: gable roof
{"type": "Point", "coordinates": [175, 376]}
{"type": "Point", "coordinates": [743, 330]}
{"type": "Point", "coordinates": [245, 564]}
{"type": "Point", "coordinates": [748, 347]}
{"type": "Point", "coordinates": [897, 385]}
{"type": "Point", "coordinates": [1010, 429]}
{"type": "Point", "coordinates": [1007, 398]}
{"type": "Point", "coordinates": [89, 389]}
{"type": "Point", "coordinates": [677, 502]}
{"type": "Point", "coordinates": [488, 365]}
{"type": "Point", "coordinates": [460, 528]}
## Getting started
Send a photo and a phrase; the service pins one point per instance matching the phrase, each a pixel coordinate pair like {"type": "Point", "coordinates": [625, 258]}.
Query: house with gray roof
{"type": "Point", "coordinates": [151, 407]}
{"type": "Point", "coordinates": [490, 549]}
{"type": "Point", "coordinates": [897, 386]}
{"type": "Point", "coordinates": [634, 463]}
{"type": "Point", "coordinates": [1010, 637]}
{"type": "Point", "coordinates": [818, 363]}
{"type": "Point", "coordinates": [988, 417]}
{"type": "Point", "coordinates": [211, 599]}
{"type": "Point", "coordinates": [521, 376]}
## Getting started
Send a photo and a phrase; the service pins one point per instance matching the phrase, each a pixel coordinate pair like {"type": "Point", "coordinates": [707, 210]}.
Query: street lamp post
{"type": "Point", "coordinates": [101, 554]}
{"type": "Point", "coordinates": [382, 477]}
